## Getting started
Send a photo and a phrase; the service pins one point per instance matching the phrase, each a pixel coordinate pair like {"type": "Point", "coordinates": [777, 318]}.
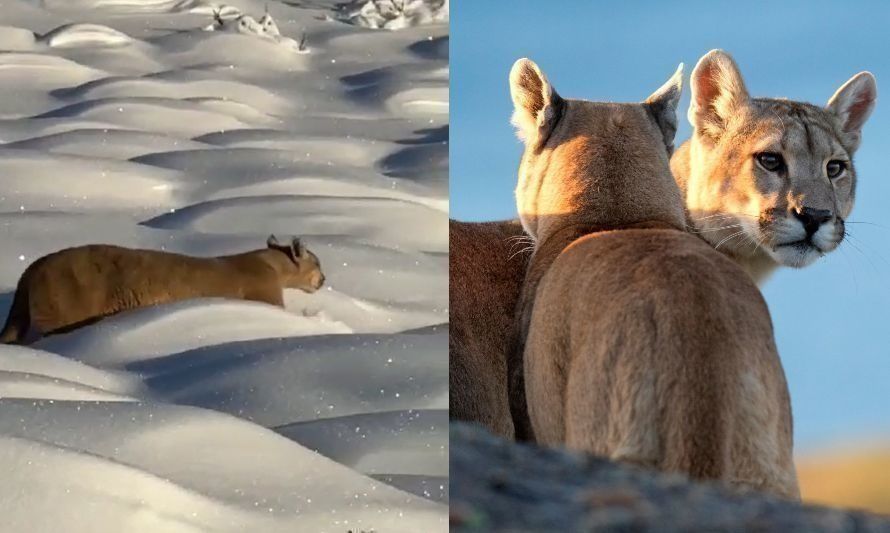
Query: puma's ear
{"type": "Point", "coordinates": [536, 104]}
{"type": "Point", "coordinates": [300, 249]}
{"type": "Point", "coordinates": [663, 106]}
{"type": "Point", "coordinates": [718, 93]}
{"type": "Point", "coordinates": [272, 242]}
{"type": "Point", "coordinates": [853, 103]}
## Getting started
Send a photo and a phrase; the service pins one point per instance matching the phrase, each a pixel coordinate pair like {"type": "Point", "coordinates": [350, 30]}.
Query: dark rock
{"type": "Point", "coordinates": [502, 486]}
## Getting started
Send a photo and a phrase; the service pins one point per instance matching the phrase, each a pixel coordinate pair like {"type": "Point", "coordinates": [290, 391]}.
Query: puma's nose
{"type": "Point", "coordinates": [812, 218]}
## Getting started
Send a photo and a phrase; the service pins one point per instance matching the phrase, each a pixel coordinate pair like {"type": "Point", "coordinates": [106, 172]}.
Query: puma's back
{"type": "Point", "coordinates": [649, 347]}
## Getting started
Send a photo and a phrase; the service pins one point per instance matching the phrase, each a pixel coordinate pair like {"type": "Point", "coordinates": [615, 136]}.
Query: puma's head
{"type": "Point", "coordinates": [772, 175]}
{"type": "Point", "coordinates": [602, 164]}
{"type": "Point", "coordinates": [302, 269]}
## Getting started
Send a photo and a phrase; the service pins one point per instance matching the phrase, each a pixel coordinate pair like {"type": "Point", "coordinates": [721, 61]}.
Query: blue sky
{"type": "Point", "coordinates": [832, 319]}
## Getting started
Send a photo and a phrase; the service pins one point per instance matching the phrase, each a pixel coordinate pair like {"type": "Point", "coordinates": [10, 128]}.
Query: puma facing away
{"type": "Point", "coordinates": [635, 340]}
{"type": "Point", "coordinates": [78, 286]}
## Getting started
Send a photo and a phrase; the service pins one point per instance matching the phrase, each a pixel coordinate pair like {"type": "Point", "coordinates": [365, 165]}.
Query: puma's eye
{"type": "Point", "coordinates": [771, 161]}
{"type": "Point", "coordinates": [835, 168]}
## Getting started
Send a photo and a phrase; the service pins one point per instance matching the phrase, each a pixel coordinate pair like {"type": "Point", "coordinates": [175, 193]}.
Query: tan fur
{"type": "Point", "coordinates": [79, 286]}
{"type": "Point", "coordinates": [718, 209]}
{"type": "Point", "coordinates": [752, 213]}
{"type": "Point", "coordinates": [646, 346]}
{"type": "Point", "coordinates": [637, 340]}
{"type": "Point", "coordinates": [487, 262]}
{"type": "Point", "coordinates": [486, 266]}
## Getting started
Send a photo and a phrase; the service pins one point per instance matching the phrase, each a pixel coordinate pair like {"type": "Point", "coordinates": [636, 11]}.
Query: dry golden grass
{"type": "Point", "coordinates": [858, 479]}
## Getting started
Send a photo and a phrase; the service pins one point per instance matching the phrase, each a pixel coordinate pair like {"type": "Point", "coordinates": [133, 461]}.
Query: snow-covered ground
{"type": "Point", "coordinates": [201, 128]}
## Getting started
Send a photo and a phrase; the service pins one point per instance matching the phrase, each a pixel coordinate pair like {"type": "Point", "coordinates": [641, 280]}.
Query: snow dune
{"type": "Point", "coordinates": [199, 128]}
{"type": "Point", "coordinates": [155, 467]}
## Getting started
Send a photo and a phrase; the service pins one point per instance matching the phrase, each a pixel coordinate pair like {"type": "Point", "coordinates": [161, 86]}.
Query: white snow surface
{"type": "Point", "coordinates": [144, 123]}
{"type": "Point", "coordinates": [394, 14]}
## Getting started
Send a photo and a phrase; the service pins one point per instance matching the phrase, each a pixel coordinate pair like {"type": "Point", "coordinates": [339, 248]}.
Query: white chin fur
{"type": "Point", "coordinates": [799, 256]}
{"type": "Point", "coordinates": [794, 256]}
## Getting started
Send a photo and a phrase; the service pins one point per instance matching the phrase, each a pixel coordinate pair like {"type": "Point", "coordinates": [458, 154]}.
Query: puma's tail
{"type": "Point", "coordinates": [19, 319]}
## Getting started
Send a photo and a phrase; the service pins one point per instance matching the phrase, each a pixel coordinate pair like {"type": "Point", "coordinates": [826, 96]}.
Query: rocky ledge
{"type": "Point", "coordinates": [501, 486]}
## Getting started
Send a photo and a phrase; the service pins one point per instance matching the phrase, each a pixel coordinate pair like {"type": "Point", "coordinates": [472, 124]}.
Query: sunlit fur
{"type": "Point", "coordinates": [635, 339]}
